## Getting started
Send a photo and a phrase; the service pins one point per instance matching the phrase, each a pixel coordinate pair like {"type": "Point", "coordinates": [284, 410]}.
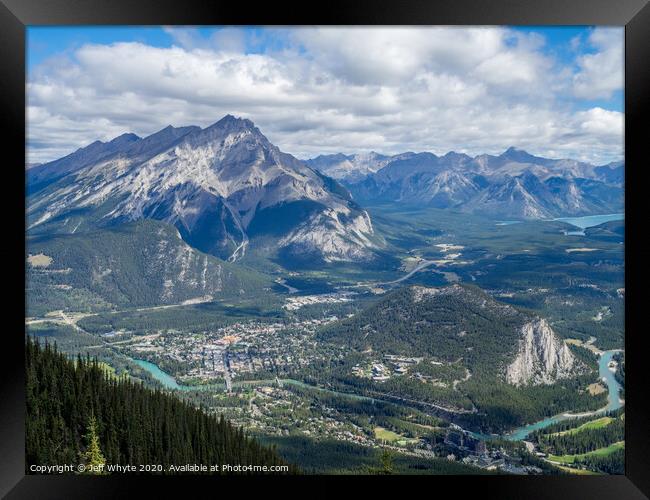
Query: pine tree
{"type": "Point", "coordinates": [73, 406]}
{"type": "Point", "coordinates": [93, 457]}
{"type": "Point", "coordinates": [386, 461]}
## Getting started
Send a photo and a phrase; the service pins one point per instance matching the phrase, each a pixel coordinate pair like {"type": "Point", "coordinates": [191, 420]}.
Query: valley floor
{"type": "Point", "coordinates": [265, 369]}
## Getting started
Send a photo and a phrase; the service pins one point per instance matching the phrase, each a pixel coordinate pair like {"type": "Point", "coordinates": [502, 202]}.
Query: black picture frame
{"type": "Point", "coordinates": [15, 15]}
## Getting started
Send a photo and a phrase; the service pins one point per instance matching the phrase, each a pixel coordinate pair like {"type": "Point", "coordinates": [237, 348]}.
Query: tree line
{"type": "Point", "coordinates": [77, 412]}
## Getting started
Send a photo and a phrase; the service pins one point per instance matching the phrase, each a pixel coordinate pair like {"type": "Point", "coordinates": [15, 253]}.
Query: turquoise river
{"type": "Point", "coordinates": [607, 375]}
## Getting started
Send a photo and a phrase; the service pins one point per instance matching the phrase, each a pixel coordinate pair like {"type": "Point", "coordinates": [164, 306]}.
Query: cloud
{"type": "Point", "coordinates": [223, 39]}
{"type": "Point", "coordinates": [323, 90]}
{"type": "Point", "coordinates": [601, 72]}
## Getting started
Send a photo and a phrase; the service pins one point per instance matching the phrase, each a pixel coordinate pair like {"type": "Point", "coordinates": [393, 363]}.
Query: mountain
{"type": "Point", "coordinates": [449, 188]}
{"type": "Point", "coordinates": [40, 176]}
{"type": "Point", "coordinates": [513, 184]}
{"type": "Point", "coordinates": [522, 196]}
{"type": "Point", "coordinates": [223, 187]}
{"type": "Point", "coordinates": [351, 167]}
{"type": "Point", "coordinates": [142, 263]}
{"type": "Point", "coordinates": [493, 340]}
{"type": "Point", "coordinates": [443, 181]}
{"type": "Point", "coordinates": [486, 364]}
{"type": "Point", "coordinates": [613, 173]}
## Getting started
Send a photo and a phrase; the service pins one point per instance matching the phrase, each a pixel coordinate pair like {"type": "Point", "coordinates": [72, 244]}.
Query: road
{"type": "Point", "coordinates": [71, 318]}
{"type": "Point", "coordinates": [422, 265]}
{"type": "Point", "coordinates": [457, 411]}
{"type": "Point", "coordinates": [226, 371]}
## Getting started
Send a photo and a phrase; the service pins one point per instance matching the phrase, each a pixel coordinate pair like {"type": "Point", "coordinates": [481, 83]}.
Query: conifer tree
{"type": "Point", "coordinates": [93, 457]}
{"type": "Point", "coordinates": [386, 461]}
{"type": "Point", "coordinates": [76, 411]}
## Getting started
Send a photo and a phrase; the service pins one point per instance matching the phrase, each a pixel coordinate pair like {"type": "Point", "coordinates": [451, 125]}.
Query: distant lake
{"type": "Point", "coordinates": [588, 221]}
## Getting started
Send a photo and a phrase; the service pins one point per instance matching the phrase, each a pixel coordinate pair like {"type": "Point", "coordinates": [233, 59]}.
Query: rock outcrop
{"type": "Point", "coordinates": [542, 357]}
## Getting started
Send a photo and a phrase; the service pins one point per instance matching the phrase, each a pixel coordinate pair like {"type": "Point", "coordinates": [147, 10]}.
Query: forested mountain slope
{"type": "Point", "coordinates": [137, 264]}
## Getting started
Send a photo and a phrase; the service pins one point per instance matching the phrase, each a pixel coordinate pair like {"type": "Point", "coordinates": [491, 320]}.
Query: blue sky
{"type": "Point", "coordinates": [554, 91]}
{"type": "Point", "coordinates": [48, 41]}
{"type": "Point", "coordinates": [560, 44]}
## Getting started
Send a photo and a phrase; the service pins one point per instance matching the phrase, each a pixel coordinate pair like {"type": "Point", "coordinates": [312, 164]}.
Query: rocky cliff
{"type": "Point", "coordinates": [542, 357]}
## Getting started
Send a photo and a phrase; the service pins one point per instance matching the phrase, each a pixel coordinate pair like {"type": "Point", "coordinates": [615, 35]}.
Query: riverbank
{"type": "Point", "coordinates": [519, 434]}
{"type": "Point", "coordinates": [614, 401]}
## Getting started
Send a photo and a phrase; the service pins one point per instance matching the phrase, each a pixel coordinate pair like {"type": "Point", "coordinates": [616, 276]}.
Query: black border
{"type": "Point", "coordinates": [633, 14]}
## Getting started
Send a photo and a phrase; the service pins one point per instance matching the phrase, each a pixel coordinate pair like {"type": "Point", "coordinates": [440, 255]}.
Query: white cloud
{"type": "Point", "coordinates": [225, 39]}
{"type": "Point", "coordinates": [601, 72]}
{"type": "Point", "coordinates": [327, 90]}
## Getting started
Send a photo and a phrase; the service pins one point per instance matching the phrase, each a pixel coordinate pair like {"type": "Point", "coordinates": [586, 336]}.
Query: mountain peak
{"type": "Point", "coordinates": [456, 158]}
{"type": "Point", "coordinates": [124, 139]}
{"type": "Point", "coordinates": [519, 155]}
{"type": "Point", "coordinates": [230, 121]}
{"type": "Point", "coordinates": [160, 140]}
{"type": "Point", "coordinates": [235, 185]}
{"type": "Point", "coordinates": [542, 357]}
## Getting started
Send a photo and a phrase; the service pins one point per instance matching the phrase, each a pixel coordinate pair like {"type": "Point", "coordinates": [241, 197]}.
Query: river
{"type": "Point", "coordinates": [170, 382]}
{"type": "Point", "coordinates": [613, 400]}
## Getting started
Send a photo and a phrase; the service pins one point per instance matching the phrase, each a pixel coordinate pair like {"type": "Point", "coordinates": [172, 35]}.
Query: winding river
{"type": "Point", "coordinates": [613, 400]}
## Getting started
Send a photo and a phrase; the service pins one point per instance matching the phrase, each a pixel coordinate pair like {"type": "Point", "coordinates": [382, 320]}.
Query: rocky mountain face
{"type": "Point", "coordinates": [221, 187]}
{"type": "Point", "coordinates": [513, 184]}
{"type": "Point", "coordinates": [41, 175]}
{"type": "Point", "coordinates": [542, 357]}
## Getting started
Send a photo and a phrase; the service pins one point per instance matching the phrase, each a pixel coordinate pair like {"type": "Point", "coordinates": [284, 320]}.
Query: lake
{"type": "Point", "coordinates": [588, 221]}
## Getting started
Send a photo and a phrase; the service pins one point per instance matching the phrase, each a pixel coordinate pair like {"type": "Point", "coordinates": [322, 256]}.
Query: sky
{"type": "Point", "coordinates": [553, 91]}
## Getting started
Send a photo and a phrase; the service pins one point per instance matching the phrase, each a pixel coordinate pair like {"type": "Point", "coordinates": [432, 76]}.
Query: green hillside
{"type": "Point", "coordinates": [462, 340]}
{"type": "Point", "coordinates": [138, 264]}
{"type": "Point", "coordinates": [454, 322]}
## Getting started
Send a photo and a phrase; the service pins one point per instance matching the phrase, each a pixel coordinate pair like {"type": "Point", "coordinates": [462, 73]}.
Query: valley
{"type": "Point", "coordinates": [208, 263]}
{"type": "Point", "coordinates": [262, 365]}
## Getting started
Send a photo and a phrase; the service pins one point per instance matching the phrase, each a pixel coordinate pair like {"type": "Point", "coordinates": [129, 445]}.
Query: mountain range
{"type": "Point", "coordinates": [514, 184]}
{"type": "Point", "coordinates": [226, 188]}
{"type": "Point", "coordinates": [221, 187]}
